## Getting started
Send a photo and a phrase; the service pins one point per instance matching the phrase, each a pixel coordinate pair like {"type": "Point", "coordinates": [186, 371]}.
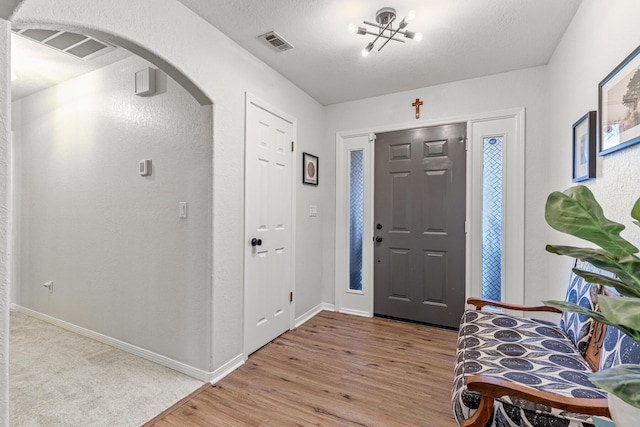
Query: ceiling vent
{"type": "Point", "coordinates": [77, 45]}
{"type": "Point", "coordinates": [276, 41]}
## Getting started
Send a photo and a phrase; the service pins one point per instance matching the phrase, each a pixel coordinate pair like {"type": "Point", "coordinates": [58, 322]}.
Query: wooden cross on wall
{"type": "Point", "coordinates": [417, 104]}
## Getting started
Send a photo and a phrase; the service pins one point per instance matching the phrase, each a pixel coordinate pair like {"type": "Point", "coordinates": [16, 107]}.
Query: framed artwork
{"type": "Point", "coordinates": [309, 169]}
{"type": "Point", "coordinates": [619, 106]}
{"type": "Point", "coordinates": [584, 147]}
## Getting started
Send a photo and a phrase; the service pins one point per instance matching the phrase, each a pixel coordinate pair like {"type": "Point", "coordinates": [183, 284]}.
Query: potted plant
{"type": "Point", "coordinates": [576, 212]}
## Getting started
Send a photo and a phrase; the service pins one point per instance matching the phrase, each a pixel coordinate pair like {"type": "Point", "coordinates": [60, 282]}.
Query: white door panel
{"type": "Point", "coordinates": [268, 219]}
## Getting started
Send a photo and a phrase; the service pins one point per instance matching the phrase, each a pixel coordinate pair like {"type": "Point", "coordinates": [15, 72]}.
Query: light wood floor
{"type": "Point", "coordinates": [334, 370]}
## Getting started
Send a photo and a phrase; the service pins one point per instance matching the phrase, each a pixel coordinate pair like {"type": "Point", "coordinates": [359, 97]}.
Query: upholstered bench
{"type": "Point", "coordinates": [515, 371]}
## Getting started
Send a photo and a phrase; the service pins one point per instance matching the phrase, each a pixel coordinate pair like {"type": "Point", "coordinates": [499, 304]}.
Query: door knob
{"type": "Point", "coordinates": [378, 239]}
{"type": "Point", "coordinates": [256, 242]}
{"type": "Point", "coordinates": [378, 226]}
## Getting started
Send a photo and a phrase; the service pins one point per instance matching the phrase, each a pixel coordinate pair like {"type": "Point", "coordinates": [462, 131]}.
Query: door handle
{"type": "Point", "coordinates": [378, 239]}
{"type": "Point", "coordinates": [256, 242]}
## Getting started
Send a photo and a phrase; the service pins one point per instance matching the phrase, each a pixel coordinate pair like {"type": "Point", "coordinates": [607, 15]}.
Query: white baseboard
{"type": "Point", "coordinates": [328, 307]}
{"type": "Point", "coordinates": [226, 369]}
{"type": "Point", "coordinates": [192, 371]}
{"type": "Point", "coordinates": [355, 312]}
{"type": "Point", "coordinates": [315, 310]}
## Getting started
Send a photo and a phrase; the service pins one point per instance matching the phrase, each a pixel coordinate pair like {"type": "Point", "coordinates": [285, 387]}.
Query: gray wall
{"type": "Point", "coordinates": [524, 88]}
{"type": "Point", "coordinates": [600, 36]}
{"type": "Point", "coordinates": [224, 72]}
{"type": "Point", "coordinates": [122, 261]}
{"type": "Point", "coordinates": [5, 91]}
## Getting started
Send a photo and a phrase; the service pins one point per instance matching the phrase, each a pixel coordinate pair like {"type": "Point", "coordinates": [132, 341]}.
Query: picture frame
{"type": "Point", "coordinates": [619, 106]}
{"type": "Point", "coordinates": [584, 147]}
{"type": "Point", "coordinates": [309, 169]}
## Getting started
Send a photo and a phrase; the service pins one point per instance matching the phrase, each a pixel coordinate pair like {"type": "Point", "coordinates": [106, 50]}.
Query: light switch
{"type": "Point", "coordinates": [313, 210]}
{"type": "Point", "coordinates": [183, 209]}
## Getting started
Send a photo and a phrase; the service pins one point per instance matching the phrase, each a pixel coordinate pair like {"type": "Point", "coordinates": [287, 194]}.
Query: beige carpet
{"type": "Point", "coordinates": [58, 378]}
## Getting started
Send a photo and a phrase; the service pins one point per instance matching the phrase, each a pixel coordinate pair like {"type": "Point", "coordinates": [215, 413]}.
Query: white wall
{"type": "Point", "coordinates": [224, 72]}
{"type": "Point", "coordinates": [14, 207]}
{"type": "Point", "coordinates": [600, 36]}
{"type": "Point", "coordinates": [5, 91]}
{"type": "Point", "coordinates": [122, 261]}
{"type": "Point", "coordinates": [525, 88]}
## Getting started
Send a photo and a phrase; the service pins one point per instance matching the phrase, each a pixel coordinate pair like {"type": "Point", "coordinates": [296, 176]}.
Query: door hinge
{"type": "Point", "coordinates": [466, 144]}
{"type": "Point", "coordinates": [292, 146]}
{"type": "Point", "coordinates": [372, 137]}
{"type": "Point", "coordinates": [466, 227]}
{"type": "Point", "coordinates": [290, 296]}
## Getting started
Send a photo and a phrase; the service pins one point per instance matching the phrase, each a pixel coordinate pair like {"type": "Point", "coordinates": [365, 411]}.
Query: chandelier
{"type": "Point", "coordinates": [385, 18]}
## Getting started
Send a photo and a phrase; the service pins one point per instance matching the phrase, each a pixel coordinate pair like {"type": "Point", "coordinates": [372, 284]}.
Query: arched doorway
{"type": "Point", "coordinates": [132, 271]}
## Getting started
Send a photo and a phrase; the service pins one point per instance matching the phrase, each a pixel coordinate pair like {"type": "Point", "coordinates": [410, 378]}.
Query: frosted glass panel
{"type": "Point", "coordinates": [492, 186]}
{"type": "Point", "coordinates": [356, 185]}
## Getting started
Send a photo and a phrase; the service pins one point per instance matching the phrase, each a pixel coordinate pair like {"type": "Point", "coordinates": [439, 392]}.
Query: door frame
{"type": "Point", "coordinates": [513, 210]}
{"type": "Point", "coordinates": [252, 99]}
{"type": "Point", "coordinates": [359, 303]}
{"type": "Point", "coordinates": [515, 174]}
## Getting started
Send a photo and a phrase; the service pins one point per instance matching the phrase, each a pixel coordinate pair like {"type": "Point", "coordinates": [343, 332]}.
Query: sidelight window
{"type": "Point", "coordinates": [356, 213]}
{"type": "Point", "coordinates": [492, 224]}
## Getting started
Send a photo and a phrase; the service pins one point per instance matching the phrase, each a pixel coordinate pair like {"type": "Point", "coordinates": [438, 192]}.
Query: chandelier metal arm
{"type": "Point", "coordinates": [390, 38]}
{"type": "Point", "coordinates": [399, 31]}
{"type": "Point", "coordinates": [385, 17]}
{"type": "Point", "coordinates": [382, 30]}
{"type": "Point", "coordinates": [384, 36]}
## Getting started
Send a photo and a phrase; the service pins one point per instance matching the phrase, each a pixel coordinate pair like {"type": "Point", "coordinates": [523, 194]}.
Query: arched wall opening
{"type": "Point", "coordinates": [126, 266]}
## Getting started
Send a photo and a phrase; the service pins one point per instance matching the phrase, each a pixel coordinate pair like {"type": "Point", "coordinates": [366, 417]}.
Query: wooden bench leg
{"type": "Point", "coordinates": [482, 415]}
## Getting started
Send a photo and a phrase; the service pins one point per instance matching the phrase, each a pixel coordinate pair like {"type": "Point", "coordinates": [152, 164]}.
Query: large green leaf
{"type": "Point", "coordinates": [635, 212]}
{"type": "Point", "coordinates": [631, 266]}
{"type": "Point", "coordinates": [622, 381]}
{"type": "Point", "coordinates": [600, 279]}
{"type": "Point", "coordinates": [576, 212]}
{"type": "Point", "coordinates": [597, 316]}
{"type": "Point", "coordinates": [569, 306]}
{"type": "Point", "coordinates": [627, 269]}
{"type": "Point", "coordinates": [624, 312]}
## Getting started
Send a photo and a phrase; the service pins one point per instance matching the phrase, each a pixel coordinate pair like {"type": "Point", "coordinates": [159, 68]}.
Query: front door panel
{"type": "Point", "coordinates": [420, 206]}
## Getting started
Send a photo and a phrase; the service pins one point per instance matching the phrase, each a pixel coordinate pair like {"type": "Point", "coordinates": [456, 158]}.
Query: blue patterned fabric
{"type": "Point", "coordinates": [539, 355]}
{"type": "Point", "coordinates": [617, 349]}
{"type": "Point", "coordinates": [579, 327]}
{"type": "Point", "coordinates": [524, 351]}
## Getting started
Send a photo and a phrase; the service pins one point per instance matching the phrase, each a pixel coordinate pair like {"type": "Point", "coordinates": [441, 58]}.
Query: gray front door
{"type": "Point", "coordinates": [419, 219]}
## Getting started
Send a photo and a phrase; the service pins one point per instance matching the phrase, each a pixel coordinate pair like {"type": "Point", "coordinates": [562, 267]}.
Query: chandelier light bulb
{"type": "Point", "coordinates": [352, 28]}
{"type": "Point", "coordinates": [366, 50]}
{"type": "Point", "coordinates": [418, 37]}
{"type": "Point", "coordinates": [411, 15]}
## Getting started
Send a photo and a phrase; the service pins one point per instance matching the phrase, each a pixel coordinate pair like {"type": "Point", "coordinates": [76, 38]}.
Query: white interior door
{"type": "Point", "coordinates": [268, 224]}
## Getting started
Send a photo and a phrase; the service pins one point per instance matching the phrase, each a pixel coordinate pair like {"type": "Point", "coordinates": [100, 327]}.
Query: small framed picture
{"type": "Point", "coordinates": [619, 106]}
{"type": "Point", "coordinates": [584, 147]}
{"type": "Point", "coordinates": [309, 169]}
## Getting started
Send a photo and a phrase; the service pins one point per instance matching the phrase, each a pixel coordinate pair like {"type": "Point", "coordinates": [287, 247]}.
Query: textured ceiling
{"type": "Point", "coordinates": [37, 67]}
{"type": "Point", "coordinates": [462, 39]}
